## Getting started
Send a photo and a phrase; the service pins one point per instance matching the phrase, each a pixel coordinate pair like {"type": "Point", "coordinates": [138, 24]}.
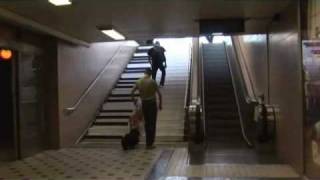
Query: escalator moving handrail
{"type": "Point", "coordinates": [202, 95]}
{"type": "Point", "coordinates": [244, 135]}
{"type": "Point", "coordinates": [188, 83]}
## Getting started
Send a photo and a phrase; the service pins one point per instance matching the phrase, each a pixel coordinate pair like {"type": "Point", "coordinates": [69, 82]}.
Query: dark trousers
{"type": "Point", "coordinates": [155, 68]}
{"type": "Point", "coordinates": [149, 108]}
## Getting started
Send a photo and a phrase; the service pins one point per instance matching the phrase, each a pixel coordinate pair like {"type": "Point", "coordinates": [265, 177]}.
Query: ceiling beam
{"type": "Point", "coordinates": [33, 25]}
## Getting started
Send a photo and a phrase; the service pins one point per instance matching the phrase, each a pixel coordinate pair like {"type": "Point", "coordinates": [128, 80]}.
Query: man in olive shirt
{"type": "Point", "coordinates": [148, 89]}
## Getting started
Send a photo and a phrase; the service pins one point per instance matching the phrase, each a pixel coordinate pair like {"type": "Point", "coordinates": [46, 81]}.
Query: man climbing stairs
{"type": "Point", "coordinates": [112, 120]}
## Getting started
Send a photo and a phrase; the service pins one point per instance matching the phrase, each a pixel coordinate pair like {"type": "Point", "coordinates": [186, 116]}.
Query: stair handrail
{"type": "Point", "coordinates": [249, 98]}
{"type": "Point", "coordinates": [243, 132]}
{"type": "Point", "coordinates": [75, 106]}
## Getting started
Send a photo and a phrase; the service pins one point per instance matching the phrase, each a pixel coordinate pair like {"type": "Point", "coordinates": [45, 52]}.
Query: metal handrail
{"type": "Point", "coordinates": [244, 135]}
{"type": "Point", "coordinates": [188, 83]}
{"type": "Point", "coordinates": [248, 97]}
{"type": "Point", "coordinates": [187, 97]}
{"type": "Point", "coordinates": [202, 93]}
{"type": "Point", "coordinates": [74, 107]}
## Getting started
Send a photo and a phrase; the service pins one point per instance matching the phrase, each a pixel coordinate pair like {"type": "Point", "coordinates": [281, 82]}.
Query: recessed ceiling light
{"type": "Point", "coordinates": [132, 43]}
{"type": "Point", "coordinates": [60, 2]}
{"type": "Point", "coordinates": [217, 34]}
{"type": "Point", "coordinates": [113, 34]}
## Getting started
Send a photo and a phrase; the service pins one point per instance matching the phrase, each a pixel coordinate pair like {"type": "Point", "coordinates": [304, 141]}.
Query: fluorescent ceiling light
{"type": "Point", "coordinates": [60, 2]}
{"type": "Point", "coordinates": [217, 34]}
{"type": "Point", "coordinates": [203, 40]}
{"type": "Point", "coordinates": [113, 34]}
{"type": "Point", "coordinates": [132, 43]}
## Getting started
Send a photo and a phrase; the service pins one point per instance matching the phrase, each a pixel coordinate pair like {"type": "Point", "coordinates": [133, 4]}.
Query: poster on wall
{"type": "Point", "coordinates": [311, 64]}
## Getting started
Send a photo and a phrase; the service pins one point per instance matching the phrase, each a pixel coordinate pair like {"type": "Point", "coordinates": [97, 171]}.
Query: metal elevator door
{"type": "Point", "coordinates": [31, 125]}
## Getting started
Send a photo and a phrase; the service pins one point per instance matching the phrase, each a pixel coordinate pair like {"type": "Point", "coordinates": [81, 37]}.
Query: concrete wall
{"type": "Point", "coordinates": [286, 85]}
{"type": "Point", "coordinates": [254, 51]}
{"type": "Point", "coordinates": [282, 81]}
{"type": "Point", "coordinates": [77, 68]}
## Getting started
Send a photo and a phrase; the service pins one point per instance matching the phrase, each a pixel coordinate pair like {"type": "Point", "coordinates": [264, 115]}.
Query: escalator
{"type": "Point", "coordinates": [221, 113]}
{"type": "Point", "coordinates": [225, 117]}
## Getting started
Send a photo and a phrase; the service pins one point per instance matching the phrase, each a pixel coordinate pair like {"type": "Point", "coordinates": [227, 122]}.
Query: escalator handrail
{"type": "Point", "coordinates": [188, 83]}
{"type": "Point", "coordinates": [249, 98]}
{"type": "Point", "coordinates": [202, 95]}
{"type": "Point", "coordinates": [243, 131]}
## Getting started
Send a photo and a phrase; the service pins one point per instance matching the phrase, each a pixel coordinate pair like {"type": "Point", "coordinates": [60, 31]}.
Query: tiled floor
{"type": "Point", "coordinates": [223, 178]}
{"type": "Point", "coordinates": [83, 163]}
{"type": "Point", "coordinates": [179, 167]}
{"type": "Point", "coordinates": [162, 163]}
{"type": "Point", "coordinates": [233, 153]}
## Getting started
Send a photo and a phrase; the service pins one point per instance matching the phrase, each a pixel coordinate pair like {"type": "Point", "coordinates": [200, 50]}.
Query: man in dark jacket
{"type": "Point", "coordinates": [157, 60]}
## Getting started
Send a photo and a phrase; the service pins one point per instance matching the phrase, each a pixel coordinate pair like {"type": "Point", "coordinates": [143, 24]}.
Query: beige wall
{"type": "Point", "coordinates": [285, 83]}
{"type": "Point", "coordinates": [254, 51]}
{"type": "Point", "coordinates": [77, 68]}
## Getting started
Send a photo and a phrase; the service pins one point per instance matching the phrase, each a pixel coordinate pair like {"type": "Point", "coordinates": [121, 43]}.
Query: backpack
{"type": "Point", "coordinates": [130, 140]}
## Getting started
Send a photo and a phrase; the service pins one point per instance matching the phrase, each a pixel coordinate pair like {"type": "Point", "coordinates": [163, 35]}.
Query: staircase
{"type": "Point", "coordinates": [222, 119]}
{"type": "Point", "coordinates": [112, 121]}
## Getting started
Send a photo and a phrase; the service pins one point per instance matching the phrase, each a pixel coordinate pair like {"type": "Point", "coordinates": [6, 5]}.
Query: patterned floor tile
{"type": "Point", "coordinates": [83, 163]}
{"type": "Point", "coordinates": [179, 167]}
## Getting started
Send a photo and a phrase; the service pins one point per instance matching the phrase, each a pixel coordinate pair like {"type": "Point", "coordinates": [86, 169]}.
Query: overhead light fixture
{"type": "Point", "coordinates": [111, 32]}
{"type": "Point", "coordinates": [132, 43]}
{"type": "Point", "coordinates": [217, 34]}
{"type": "Point", "coordinates": [60, 2]}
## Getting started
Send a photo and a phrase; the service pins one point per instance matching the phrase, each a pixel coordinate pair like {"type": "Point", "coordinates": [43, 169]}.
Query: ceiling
{"type": "Point", "coordinates": [143, 19]}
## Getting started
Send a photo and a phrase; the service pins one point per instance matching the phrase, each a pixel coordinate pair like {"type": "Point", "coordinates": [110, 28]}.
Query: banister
{"type": "Point", "coordinates": [74, 107]}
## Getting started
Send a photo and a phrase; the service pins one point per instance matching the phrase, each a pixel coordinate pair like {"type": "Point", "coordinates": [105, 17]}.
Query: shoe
{"type": "Point", "coordinates": [150, 147]}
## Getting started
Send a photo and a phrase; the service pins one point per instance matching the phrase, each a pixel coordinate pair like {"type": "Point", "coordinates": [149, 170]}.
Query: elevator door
{"type": "Point", "coordinates": [7, 125]}
{"type": "Point", "coordinates": [31, 117]}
